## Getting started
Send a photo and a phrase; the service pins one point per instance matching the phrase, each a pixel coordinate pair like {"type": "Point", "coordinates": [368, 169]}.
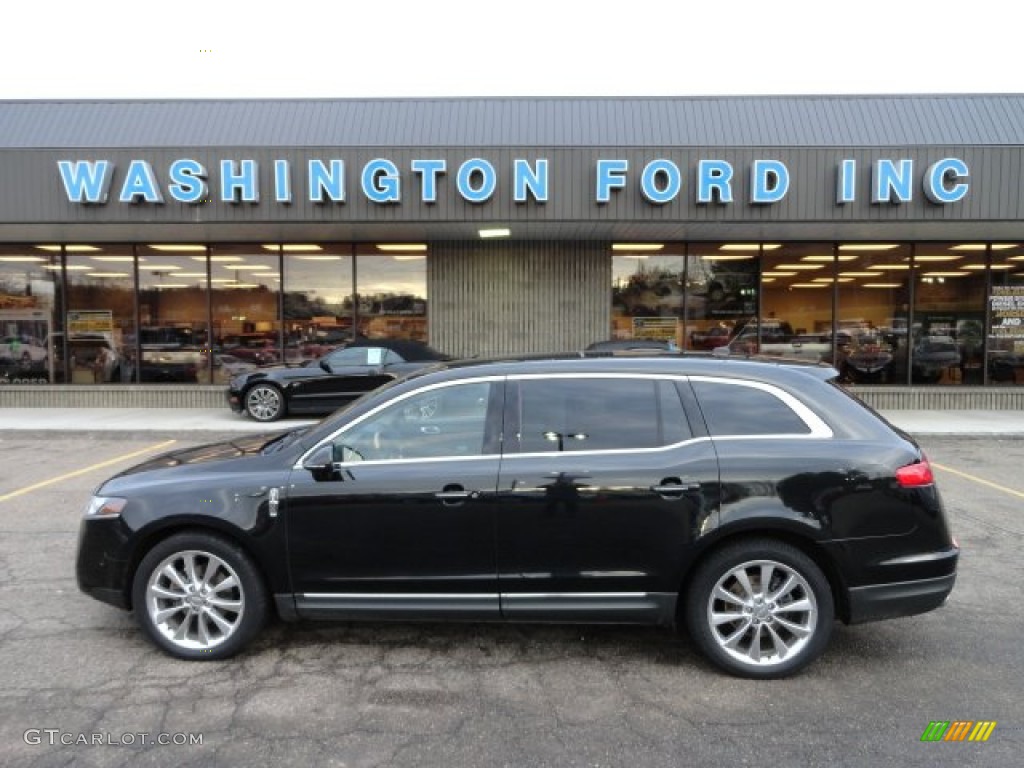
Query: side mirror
{"type": "Point", "coordinates": [325, 365]}
{"type": "Point", "coordinates": [320, 463]}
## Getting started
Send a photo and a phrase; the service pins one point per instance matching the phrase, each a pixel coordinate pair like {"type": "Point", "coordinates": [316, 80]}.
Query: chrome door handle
{"type": "Point", "coordinates": [456, 495]}
{"type": "Point", "coordinates": [675, 488]}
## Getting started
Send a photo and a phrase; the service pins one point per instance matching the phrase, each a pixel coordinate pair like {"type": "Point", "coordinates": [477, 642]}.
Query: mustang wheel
{"type": "Point", "coordinates": [760, 609]}
{"type": "Point", "coordinates": [264, 402]}
{"type": "Point", "coordinates": [198, 596]}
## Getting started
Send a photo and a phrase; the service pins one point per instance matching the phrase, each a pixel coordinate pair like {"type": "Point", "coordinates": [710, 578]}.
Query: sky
{"type": "Point", "coordinates": [70, 49]}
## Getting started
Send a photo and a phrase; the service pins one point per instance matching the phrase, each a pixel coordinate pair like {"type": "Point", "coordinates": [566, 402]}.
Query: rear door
{"type": "Point", "coordinates": [603, 487]}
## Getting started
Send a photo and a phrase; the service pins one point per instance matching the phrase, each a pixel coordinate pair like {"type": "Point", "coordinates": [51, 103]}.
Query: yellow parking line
{"type": "Point", "coordinates": [77, 472]}
{"type": "Point", "coordinates": [966, 476]}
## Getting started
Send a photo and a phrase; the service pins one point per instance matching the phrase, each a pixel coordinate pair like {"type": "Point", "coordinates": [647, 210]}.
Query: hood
{"type": "Point", "coordinates": [236, 448]}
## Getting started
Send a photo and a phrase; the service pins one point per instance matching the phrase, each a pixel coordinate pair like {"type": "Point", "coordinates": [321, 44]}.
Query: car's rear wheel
{"type": "Point", "coordinates": [760, 608]}
{"type": "Point", "coordinates": [264, 402]}
{"type": "Point", "coordinates": [198, 596]}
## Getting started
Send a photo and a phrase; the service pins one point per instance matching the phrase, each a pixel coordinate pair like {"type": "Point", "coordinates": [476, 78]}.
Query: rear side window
{"type": "Point", "coordinates": [583, 414]}
{"type": "Point", "coordinates": [736, 409]}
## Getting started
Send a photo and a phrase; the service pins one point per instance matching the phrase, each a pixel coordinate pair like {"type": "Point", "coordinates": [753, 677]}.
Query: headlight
{"type": "Point", "coordinates": [105, 506]}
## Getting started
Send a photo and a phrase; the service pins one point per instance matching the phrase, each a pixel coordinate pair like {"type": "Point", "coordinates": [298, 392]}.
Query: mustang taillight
{"type": "Point", "coordinates": [914, 475]}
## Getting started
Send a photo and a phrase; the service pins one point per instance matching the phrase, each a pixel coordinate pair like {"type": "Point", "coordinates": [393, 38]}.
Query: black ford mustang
{"type": "Point", "coordinates": [318, 387]}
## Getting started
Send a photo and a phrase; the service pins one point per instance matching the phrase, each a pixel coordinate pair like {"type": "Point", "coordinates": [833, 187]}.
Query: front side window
{"type": "Point", "coordinates": [436, 423]}
{"type": "Point", "coordinates": [735, 409]}
{"type": "Point", "coordinates": [581, 414]}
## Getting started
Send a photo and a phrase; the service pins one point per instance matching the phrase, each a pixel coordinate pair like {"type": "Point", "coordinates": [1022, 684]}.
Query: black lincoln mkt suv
{"type": "Point", "coordinates": [754, 503]}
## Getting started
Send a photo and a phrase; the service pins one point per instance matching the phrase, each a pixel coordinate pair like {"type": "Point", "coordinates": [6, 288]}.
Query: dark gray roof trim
{"type": "Point", "coordinates": [754, 121]}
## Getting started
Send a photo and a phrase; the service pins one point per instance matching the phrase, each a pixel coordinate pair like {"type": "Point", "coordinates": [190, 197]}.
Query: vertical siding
{"type": "Point", "coordinates": [518, 298]}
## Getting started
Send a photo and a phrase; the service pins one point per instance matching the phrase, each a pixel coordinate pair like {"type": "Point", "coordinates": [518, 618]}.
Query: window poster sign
{"type": "Point", "coordinates": [1007, 312]}
{"type": "Point", "coordinates": [1006, 333]}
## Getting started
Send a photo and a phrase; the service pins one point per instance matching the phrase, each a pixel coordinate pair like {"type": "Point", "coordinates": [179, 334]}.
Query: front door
{"type": "Point", "coordinates": [404, 522]}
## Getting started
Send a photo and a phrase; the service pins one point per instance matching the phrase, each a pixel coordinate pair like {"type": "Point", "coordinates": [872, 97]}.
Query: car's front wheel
{"type": "Point", "coordinates": [198, 596]}
{"type": "Point", "coordinates": [264, 402]}
{"type": "Point", "coordinates": [760, 609]}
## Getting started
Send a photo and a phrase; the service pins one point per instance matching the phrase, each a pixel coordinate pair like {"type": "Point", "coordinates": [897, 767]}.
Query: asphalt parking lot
{"type": "Point", "coordinates": [73, 669]}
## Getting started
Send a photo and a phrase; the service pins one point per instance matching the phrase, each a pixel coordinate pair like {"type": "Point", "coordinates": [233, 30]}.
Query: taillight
{"type": "Point", "coordinates": [914, 475]}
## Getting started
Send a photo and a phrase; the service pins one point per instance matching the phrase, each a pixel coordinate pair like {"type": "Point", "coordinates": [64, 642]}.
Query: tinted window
{"type": "Point", "coordinates": [447, 421]}
{"type": "Point", "coordinates": [733, 409]}
{"type": "Point", "coordinates": [599, 414]}
{"type": "Point", "coordinates": [353, 356]}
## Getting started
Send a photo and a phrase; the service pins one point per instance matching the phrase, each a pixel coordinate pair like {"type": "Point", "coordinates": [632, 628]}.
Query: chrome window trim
{"type": "Point", "coordinates": [388, 403]}
{"type": "Point", "coordinates": [819, 430]}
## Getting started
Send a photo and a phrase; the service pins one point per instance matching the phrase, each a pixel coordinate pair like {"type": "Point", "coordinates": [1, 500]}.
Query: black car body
{"type": "Point", "coordinates": [317, 387]}
{"type": "Point", "coordinates": [753, 501]}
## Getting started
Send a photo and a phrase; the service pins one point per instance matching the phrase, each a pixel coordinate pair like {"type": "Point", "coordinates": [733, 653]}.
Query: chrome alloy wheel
{"type": "Point", "coordinates": [195, 600]}
{"type": "Point", "coordinates": [762, 613]}
{"type": "Point", "coordinates": [264, 403]}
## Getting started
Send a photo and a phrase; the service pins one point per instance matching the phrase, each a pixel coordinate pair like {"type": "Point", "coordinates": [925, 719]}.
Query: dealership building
{"type": "Point", "coordinates": [166, 244]}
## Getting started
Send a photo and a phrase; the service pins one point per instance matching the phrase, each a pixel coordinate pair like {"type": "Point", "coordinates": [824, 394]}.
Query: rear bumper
{"type": "Point", "coordinates": [905, 598]}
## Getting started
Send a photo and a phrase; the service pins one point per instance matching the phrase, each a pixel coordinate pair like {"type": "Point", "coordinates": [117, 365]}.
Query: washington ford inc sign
{"type": "Point", "coordinates": [381, 181]}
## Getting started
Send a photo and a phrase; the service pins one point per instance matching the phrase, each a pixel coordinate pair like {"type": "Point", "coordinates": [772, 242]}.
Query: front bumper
{"type": "Point", "coordinates": [235, 401]}
{"type": "Point", "coordinates": [101, 567]}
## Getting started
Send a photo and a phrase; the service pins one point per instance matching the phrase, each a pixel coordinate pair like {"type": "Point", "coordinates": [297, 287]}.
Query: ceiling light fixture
{"type": "Point", "coordinates": [638, 246]}
{"type": "Point", "coordinates": [402, 247]}
{"type": "Point", "coordinates": [868, 247]}
{"type": "Point", "coordinates": [292, 247]}
{"type": "Point", "coordinates": [178, 248]}
{"type": "Point", "coordinates": [496, 232]}
{"type": "Point", "coordinates": [69, 248]}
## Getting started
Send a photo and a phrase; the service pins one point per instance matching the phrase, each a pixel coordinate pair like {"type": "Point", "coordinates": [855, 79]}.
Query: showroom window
{"type": "Point", "coordinates": [1005, 329]}
{"type": "Point", "coordinates": [873, 311]}
{"type": "Point", "coordinates": [721, 292]}
{"type": "Point", "coordinates": [391, 290]}
{"type": "Point", "coordinates": [318, 307]}
{"type": "Point", "coordinates": [562, 415]}
{"type": "Point", "coordinates": [245, 294]}
{"type": "Point", "coordinates": [647, 291]}
{"type": "Point", "coordinates": [30, 322]}
{"type": "Point", "coordinates": [947, 334]}
{"type": "Point", "coordinates": [100, 317]}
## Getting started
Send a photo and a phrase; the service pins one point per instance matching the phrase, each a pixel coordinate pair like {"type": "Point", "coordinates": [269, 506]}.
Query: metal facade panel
{"type": "Point", "coordinates": [491, 299]}
{"type": "Point", "coordinates": [794, 121]}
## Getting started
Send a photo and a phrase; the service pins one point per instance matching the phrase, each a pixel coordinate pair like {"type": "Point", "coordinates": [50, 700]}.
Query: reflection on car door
{"type": "Point", "coordinates": [406, 522]}
{"type": "Point", "coordinates": [603, 485]}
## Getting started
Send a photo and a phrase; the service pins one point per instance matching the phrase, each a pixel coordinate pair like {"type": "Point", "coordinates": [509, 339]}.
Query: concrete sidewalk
{"type": "Point", "coordinates": [1007, 423]}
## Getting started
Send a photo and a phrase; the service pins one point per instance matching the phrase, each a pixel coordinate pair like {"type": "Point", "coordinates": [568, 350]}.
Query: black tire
{"type": "Point", "coordinates": [787, 639]}
{"type": "Point", "coordinates": [265, 402]}
{"type": "Point", "coordinates": [224, 609]}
